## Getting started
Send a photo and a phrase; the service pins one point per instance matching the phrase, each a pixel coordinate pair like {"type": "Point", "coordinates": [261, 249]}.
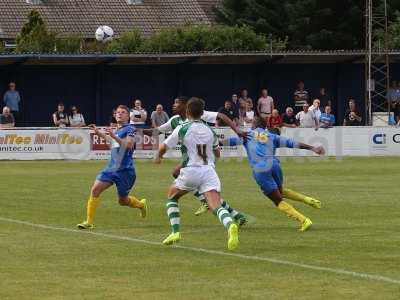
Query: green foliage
{"type": "Point", "coordinates": [128, 42]}
{"type": "Point", "coordinates": [71, 44]}
{"type": "Point", "coordinates": [93, 46]}
{"type": "Point", "coordinates": [308, 24]}
{"type": "Point", "coordinates": [393, 36]}
{"type": "Point", "coordinates": [2, 47]}
{"type": "Point", "coordinates": [191, 38]}
{"type": "Point", "coordinates": [34, 36]}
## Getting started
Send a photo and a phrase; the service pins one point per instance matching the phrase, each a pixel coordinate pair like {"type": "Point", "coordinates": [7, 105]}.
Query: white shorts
{"type": "Point", "coordinates": [203, 179]}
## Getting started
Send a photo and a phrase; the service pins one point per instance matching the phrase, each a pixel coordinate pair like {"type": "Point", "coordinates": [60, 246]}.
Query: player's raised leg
{"type": "Point", "coordinates": [214, 202]}
{"type": "Point", "coordinates": [237, 216]}
{"type": "Point", "coordinates": [295, 196]}
{"type": "Point", "coordinates": [93, 202]}
{"type": "Point", "coordinates": [174, 214]}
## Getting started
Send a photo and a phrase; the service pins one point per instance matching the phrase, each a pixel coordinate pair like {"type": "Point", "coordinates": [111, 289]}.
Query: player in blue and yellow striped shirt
{"type": "Point", "coordinates": [261, 147]}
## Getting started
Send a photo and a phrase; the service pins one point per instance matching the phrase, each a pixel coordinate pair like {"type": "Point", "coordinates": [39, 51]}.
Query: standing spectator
{"type": "Point", "coordinates": [324, 98]}
{"type": "Point", "coordinates": [393, 98]}
{"type": "Point", "coordinates": [7, 119]}
{"type": "Point", "coordinates": [235, 104]}
{"type": "Point", "coordinates": [244, 97]}
{"type": "Point", "coordinates": [138, 115]}
{"type": "Point", "coordinates": [300, 96]}
{"type": "Point", "coordinates": [275, 121]}
{"type": "Point", "coordinates": [316, 108]}
{"type": "Point", "coordinates": [289, 118]}
{"type": "Point", "coordinates": [352, 117]}
{"type": "Point", "coordinates": [158, 117]}
{"type": "Point", "coordinates": [307, 118]}
{"type": "Point", "coordinates": [12, 99]}
{"type": "Point", "coordinates": [60, 118]}
{"type": "Point", "coordinates": [113, 121]}
{"type": "Point", "coordinates": [227, 110]}
{"type": "Point", "coordinates": [249, 117]}
{"type": "Point", "coordinates": [265, 104]}
{"type": "Point", "coordinates": [76, 119]}
{"type": "Point", "coordinates": [327, 119]}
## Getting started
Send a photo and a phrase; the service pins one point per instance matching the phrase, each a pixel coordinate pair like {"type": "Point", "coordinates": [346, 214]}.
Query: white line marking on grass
{"type": "Point", "coordinates": [221, 253]}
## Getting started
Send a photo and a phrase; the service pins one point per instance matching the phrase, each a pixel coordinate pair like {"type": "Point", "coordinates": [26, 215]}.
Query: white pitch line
{"type": "Point", "coordinates": [221, 253]}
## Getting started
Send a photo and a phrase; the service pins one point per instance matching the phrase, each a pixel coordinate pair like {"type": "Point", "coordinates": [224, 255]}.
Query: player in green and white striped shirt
{"type": "Point", "coordinates": [179, 109]}
{"type": "Point", "coordinates": [199, 145]}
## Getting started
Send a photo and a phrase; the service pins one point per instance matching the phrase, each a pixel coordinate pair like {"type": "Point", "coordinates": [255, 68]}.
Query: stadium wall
{"type": "Point", "coordinates": [97, 89]}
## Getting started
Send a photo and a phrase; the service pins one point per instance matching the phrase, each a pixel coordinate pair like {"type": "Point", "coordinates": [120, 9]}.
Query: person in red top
{"type": "Point", "coordinates": [274, 123]}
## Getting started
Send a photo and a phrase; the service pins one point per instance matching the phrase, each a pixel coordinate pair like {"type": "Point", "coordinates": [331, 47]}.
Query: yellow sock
{"type": "Point", "coordinates": [290, 211]}
{"type": "Point", "coordinates": [135, 203]}
{"type": "Point", "coordinates": [92, 204]}
{"type": "Point", "coordinates": [292, 195]}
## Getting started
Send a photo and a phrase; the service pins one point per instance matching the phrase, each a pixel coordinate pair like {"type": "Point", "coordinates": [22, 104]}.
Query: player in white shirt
{"type": "Point", "coordinates": [179, 109]}
{"type": "Point", "coordinates": [199, 147]}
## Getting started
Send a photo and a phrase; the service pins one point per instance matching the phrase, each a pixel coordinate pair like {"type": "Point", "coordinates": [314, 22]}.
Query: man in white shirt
{"type": "Point", "coordinates": [307, 118]}
{"type": "Point", "coordinates": [199, 149]}
{"type": "Point", "coordinates": [138, 115]}
{"type": "Point", "coordinates": [316, 108]}
{"type": "Point", "coordinates": [265, 104]}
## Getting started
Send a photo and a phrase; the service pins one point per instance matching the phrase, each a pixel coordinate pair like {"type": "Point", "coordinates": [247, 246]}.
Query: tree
{"type": "Point", "coordinates": [34, 36]}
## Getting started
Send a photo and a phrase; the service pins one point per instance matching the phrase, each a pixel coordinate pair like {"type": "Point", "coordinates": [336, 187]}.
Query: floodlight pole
{"type": "Point", "coordinates": [376, 61]}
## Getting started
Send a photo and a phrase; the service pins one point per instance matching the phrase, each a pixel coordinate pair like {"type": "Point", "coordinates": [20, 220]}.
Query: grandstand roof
{"type": "Point", "coordinates": [82, 17]}
{"type": "Point", "coordinates": [288, 57]}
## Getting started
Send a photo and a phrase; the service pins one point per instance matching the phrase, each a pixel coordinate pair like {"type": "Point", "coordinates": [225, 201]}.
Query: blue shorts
{"type": "Point", "coordinates": [271, 180]}
{"type": "Point", "coordinates": [123, 179]}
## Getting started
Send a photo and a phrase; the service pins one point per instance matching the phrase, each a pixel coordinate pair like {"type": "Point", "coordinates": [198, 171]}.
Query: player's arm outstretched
{"type": "Point", "coordinates": [169, 143]}
{"type": "Point", "coordinates": [281, 141]}
{"type": "Point", "coordinates": [231, 124]}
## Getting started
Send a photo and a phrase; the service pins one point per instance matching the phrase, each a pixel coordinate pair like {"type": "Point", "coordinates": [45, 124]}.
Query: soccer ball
{"type": "Point", "coordinates": [104, 34]}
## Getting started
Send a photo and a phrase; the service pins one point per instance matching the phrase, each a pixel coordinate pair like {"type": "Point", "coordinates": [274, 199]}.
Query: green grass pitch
{"type": "Point", "coordinates": [357, 230]}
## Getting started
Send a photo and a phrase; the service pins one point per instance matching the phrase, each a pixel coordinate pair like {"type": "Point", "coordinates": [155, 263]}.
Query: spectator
{"type": "Point", "coordinates": [307, 118]}
{"type": "Point", "coordinates": [138, 115]}
{"type": "Point", "coordinates": [316, 108]}
{"type": "Point", "coordinates": [227, 110]}
{"type": "Point", "coordinates": [249, 117]}
{"type": "Point", "coordinates": [7, 119]}
{"type": "Point", "coordinates": [327, 119]}
{"type": "Point", "coordinates": [289, 118]}
{"type": "Point", "coordinates": [244, 96]}
{"type": "Point", "coordinates": [352, 117]}
{"type": "Point", "coordinates": [158, 117]}
{"type": "Point", "coordinates": [300, 96]}
{"type": "Point", "coordinates": [113, 121]}
{"type": "Point", "coordinates": [265, 104]}
{"type": "Point", "coordinates": [235, 104]}
{"type": "Point", "coordinates": [324, 98]}
{"type": "Point", "coordinates": [12, 99]}
{"type": "Point", "coordinates": [60, 118]}
{"type": "Point", "coordinates": [275, 120]}
{"type": "Point", "coordinates": [393, 97]}
{"type": "Point", "coordinates": [76, 119]}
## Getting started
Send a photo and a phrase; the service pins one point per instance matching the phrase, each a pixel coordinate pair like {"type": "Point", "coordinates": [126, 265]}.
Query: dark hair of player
{"type": "Point", "coordinates": [182, 99]}
{"type": "Point", "coordinates": [195, 107]}
{"type": "Point", "coordinates": [259, 122]}
{"type": "Point", "coordinates": [123, 107]}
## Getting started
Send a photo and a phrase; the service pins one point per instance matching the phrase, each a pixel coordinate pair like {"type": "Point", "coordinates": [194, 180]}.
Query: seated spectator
{"type": "Point", "coordinates": [60, 118]}
{"type": "Point", "coordinates": [76, 118]}
{"type": "Point", "coordinates": [289, 118]}
{"type": "Point", "coordinates": [275, 120]}
{"type": "Point", "coordinates": [316, 108]}
{"type": "Point", "coordinates": [352, 117]}
{"type": "Point", "coordinates": [307, 118]}
{"type": "Point", "coordinates": [227, 110]}
{"type": "Point", "coordinates": [138, 115]}
{"type": "Point", "coordinates": [113, 120]}
{"type": "Point", "coordinates": [265, 104]}
{"type": "Point", "coordinates": [249, 117]}
{"type": "Point", "coordinates": [300, 96]}
{"type": "Point", "coordinates": [7, 119]}
{"type": "Point", "coordinates": [393, 97]}
{"type": "Point", "coordinates": [327, 119]}
{"type": "Point", "coordinates": [158, 117]}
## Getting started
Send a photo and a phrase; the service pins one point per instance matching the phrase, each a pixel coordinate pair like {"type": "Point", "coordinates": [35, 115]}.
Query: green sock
{"type": "Point", "coordinates": [225, 205]}
{"type": "Point", "coordinates": [200, 197]}
{"type": "Point", "coordinates": [223, 216]}
{"type": "Point", "coordinates": [173, 214]}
